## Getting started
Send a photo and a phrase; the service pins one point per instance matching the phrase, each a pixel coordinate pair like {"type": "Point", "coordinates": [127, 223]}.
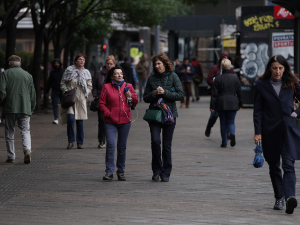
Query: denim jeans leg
{"type": "Point", "coordinates": [155, 130]}
{"type": "Point", "coordinates": [111, 133]}
{"type": "Point", "coordinates": [167, 136]}
{"type": "Point", "coordinates": [70, 128]}
{"type": "Point", "coordinates": [123, 131]}
{"type": "Point", "coordinates": [276, 179]}
{"type": "Point", "coordinates": [223, 125]}
{"type": "Point", "coordinates": [230, 118]}
{"type": "Point", "coordinates": [289, 177]}
{"type": "Point", "coordinates": [10, 134]}
{"type": "Point", "coordinates": [55, 101]}
{"type": "Point", "coordinates": [24, 127]}
{"type": "Point", "coordinates": [80, 132]}
{"type": "Point", "coordinates": [101, 127]}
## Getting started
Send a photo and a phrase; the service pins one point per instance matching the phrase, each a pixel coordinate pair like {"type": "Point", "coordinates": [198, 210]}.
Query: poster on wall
{"type": "Point", "coordinates": [283, 44]}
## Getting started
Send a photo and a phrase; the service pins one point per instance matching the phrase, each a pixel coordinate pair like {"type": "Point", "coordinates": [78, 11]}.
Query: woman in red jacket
{"type": "Point", "coordinates": [117, 117]}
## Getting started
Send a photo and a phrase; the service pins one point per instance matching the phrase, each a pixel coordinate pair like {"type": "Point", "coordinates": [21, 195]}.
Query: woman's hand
{"type": "Point", "coordinates": [159, 91]}
{"type": "Point", "coordinates": [212, 110]}
{"type": "Point", "coordinates": [128, 94]}
{"type": "Point", "coordinates": [257, 137]}
{"type": "Point", "coordinates": [293, 115]}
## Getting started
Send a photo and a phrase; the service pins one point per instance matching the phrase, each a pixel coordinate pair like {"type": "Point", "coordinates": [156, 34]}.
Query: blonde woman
{"type": "Point", "coordinates": [227, 100]}
{"type": "Point", "coordinates": [98, 82]}
{"type": "Point", "coordinates": [76, 76]}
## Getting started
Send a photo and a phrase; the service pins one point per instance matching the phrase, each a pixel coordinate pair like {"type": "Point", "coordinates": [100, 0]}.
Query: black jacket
{"type": "Point", "coordinates": [226, 92]}
{"type": "Point", "coordinates": [128, 73]}
{"type": "Point", "coordinates": [55, 79]}
{"type": "Point", "coordinates": [272, 119]}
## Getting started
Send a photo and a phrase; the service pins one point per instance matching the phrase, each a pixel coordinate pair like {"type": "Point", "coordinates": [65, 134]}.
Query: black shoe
{"type": "Point", "coordinates": [79, 146]}
{"type": "Point", "coordinates": [101, 145]}
{"type": "Point", "coordinates": [207, 131]}
{"type": "Point", "coordinates": [10, 160]}
{"type": "Point", "coordinates": [108, 176]}
{"type": "Point", "coordinates": [121, 177]}
{"type": "Point", "coordinates": [164, 179]}
{"type": "Point", "coordinates": [27, 157]}
{"type": "Point", "coordinates": [223, 146]}
{"type": "Point", "coordinates": [155, 177]}
{"type": "Point", "coordinates": [291, 204]}
{"type": "Point", "coordinates": [232, 140]}
{"type": "Point", "coordinates": [70, 145]}
{"type": "Point", "coordinates": [193, 100]}
{"type": "Point", "coordinates": [197, 99]}
{"type": "Point", "coordinates": [228, 135]}
{"type": "Point", "coordinates": [279, 203]}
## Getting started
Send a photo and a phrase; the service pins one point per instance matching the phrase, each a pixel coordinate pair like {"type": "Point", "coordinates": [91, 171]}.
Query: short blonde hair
{"type": "Point", "coordinates": [112, 58]}
{"type": "Point", "coordinates": [226, 64]}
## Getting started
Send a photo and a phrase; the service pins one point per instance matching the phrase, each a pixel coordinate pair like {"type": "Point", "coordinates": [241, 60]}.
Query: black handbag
{"type": "Point", "coordinates": [69, 98]}
{"type": "Point", "coordinates": [94, 105]}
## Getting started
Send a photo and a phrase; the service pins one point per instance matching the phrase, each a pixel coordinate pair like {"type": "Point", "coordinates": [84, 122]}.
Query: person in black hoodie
{"type": "Point", "coordinates": [128, 73]}
{"type": "Point", "coordinates": [54, 83]}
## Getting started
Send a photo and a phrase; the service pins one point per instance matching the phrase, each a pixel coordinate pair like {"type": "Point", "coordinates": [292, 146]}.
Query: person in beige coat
{"type": "Point", "coordinates": [76, 76]}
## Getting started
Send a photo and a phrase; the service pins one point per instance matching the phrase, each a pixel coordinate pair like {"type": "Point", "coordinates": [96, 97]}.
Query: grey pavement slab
{"type": "Point", "coordinates": [208, 184]}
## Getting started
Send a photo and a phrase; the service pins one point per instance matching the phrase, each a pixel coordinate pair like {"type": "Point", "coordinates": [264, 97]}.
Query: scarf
{"type": "Point", "coordinates": [167, 113]}
{"type": "Point", "coordinates": [83, 76]}
{"type": "Point", "coordinates": [118, 86]}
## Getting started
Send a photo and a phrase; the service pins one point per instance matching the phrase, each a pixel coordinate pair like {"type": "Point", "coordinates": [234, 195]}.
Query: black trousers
{"type": "Point", "coordinates": [101, 127]}
{"type": "Point", "coordinates": [161, 157]}
{"type": "Point", "coordinates": [284, 186]}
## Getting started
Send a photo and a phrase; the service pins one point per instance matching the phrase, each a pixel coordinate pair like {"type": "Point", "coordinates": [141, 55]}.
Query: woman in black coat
{"type": "Point", "coordinates": [276, 127]}
{"type": "Point", "coordinates": [226, 100]}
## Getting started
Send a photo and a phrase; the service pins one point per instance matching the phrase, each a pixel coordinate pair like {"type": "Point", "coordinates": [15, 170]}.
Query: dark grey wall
{"type": "Point", "coordinates": [227, 7]}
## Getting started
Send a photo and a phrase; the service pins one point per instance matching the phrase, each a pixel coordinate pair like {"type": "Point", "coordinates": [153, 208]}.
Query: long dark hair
{"type": "Point", "coordinates": [165, 60]}
{"type": "Point", "coordinates": [111, 73]}
{"type": "Point", "coordinates": [288, 78]}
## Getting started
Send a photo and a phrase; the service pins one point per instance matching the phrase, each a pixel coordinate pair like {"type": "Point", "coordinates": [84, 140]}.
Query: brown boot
{"type": "Point", "coordinates": [181, 105]}
{"type": "Point", "coordinates": [187, 106]}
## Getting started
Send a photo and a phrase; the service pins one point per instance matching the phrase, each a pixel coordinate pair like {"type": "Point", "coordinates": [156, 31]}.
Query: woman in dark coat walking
{"type": "Point", "coordinates": [226, 99]}
{"type": "Point", "coordinates": [164, 83]}
{"type": "Point", "coordinates": [276, 127]}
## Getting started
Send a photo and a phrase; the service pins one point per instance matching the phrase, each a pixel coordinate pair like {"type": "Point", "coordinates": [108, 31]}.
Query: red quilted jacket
{"type": "Point", "coordinates": [111, 104]}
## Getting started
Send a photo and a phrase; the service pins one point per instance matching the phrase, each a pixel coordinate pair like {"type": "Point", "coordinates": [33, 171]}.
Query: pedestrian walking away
{"type": "Point", "coordinates": [98, 82]}
{"type": "Point", "coordinates": [185, 72]}
{"type": "Point", "coordinates": [276, 128]}
{"type": "Point", "coordinates": [227, 100]}
{"type": "Point", "coordinates": [143, 70]}
{"type": "Point", "coordinates": [54, 84]}
{"type": "Point", "coordinates": [197, 79]}
{"type": "Point", "coordinates": [128, 72]}
{"type": "Point", "coordinates": [117, 117]}
{"type": "Point", "coordinates": [76, 76]}
{"type": "Point", "coordinates": [214, 71]}
{"type": "Point", "coordinates": [18, 95]}
{"type": "Point", "coordinates": [165, 84]}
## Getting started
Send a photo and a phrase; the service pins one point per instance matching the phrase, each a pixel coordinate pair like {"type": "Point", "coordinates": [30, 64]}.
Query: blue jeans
{"type": "Point", "coordinates": [111, 131]}
{"type": "Point", "coordinates": [142, 85]}
{"type": "Point", "coordinates": [283, 186]}
{"type": "Point", "coordinates": [161, 159]}
{"type": "Point", "coordinates": [227, 118]}
{"type": "Point", "coordinates": [70, 130]}
{"type": "Point", "coordinates": [55, 101]}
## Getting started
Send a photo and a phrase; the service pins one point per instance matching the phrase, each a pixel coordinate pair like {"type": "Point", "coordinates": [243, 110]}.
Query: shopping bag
{"type": "Point", "coordinates": [258, 159]}
{"type": "Point", "coordinates": [62, 115]}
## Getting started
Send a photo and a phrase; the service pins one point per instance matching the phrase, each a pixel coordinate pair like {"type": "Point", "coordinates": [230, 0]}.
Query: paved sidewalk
{"type": "Point", "coordinates": [208, 184]}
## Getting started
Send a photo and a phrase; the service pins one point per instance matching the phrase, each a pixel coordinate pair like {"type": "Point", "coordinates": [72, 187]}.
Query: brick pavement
{"type": "Point", "coordinates": [208, 184]}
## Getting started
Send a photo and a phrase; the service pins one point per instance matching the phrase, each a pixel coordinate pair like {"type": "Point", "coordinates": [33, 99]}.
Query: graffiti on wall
{"type": "Point", "coordinates": [264, 22]}
{"type": "Point", "coordinates": [255, 59]}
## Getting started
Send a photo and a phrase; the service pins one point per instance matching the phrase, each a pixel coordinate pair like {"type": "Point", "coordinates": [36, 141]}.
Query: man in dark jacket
{"type": "Point", "coordinates": [199, 73]}
{"type": "Point", "coordinates": [54, 84]}
{"type": "Point", "coordinates": [215, 71]}
{"type": "Point", "coordinates": [128, 73]}
{"type": "Point", "coordinates": [185, 72]}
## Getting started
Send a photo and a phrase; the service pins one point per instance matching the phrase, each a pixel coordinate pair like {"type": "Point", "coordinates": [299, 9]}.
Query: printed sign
{"type": "Point", "coordinates": [283, 44]}
{"type": "Point", "coordinates": [282, 13]}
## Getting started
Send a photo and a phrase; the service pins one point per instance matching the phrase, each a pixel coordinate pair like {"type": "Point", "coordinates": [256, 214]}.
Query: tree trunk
{"type": "Point", "coordinates": [36, 69]}
{"type": "Point", "coordinates": [46, 56]}
{"type": "Point", "coordinates": [11, 33]}
{"type": "Point", "coordinates": [87, 53]}
{"type": "Point", "coordinates": [72, 57]}
{"type": "Point", "coordinates": [66, 55]}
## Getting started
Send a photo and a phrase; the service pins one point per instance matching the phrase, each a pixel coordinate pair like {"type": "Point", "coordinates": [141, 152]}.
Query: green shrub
{"type": "Point", "coordinates": [26, 59]}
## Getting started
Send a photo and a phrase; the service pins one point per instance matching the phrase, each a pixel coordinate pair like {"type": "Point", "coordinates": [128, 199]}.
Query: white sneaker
{"type": "Point", "coordinates": [55, 121]}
